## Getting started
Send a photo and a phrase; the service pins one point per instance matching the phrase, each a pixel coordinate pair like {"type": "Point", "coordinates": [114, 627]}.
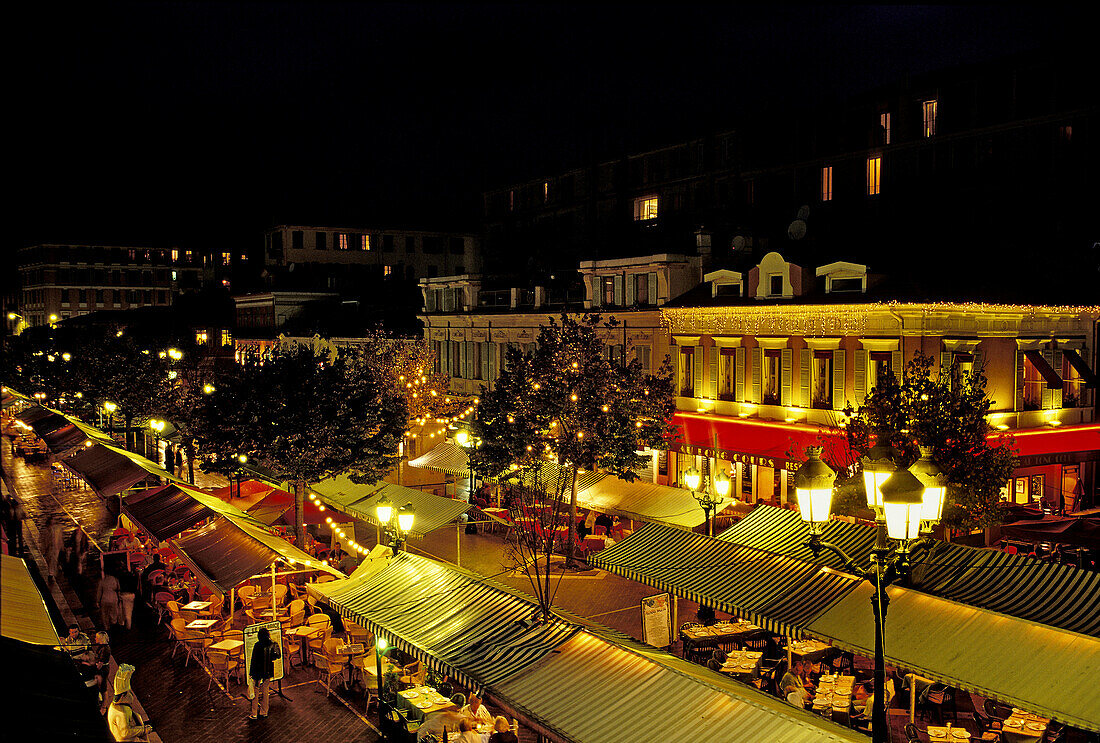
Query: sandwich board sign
{"type": "Point", "coordinates": [251, 637]}
{"type": "Point", "coordinates": [657, 620]}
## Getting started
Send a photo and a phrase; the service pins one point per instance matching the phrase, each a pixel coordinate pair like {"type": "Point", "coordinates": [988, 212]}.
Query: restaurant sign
{"type": "Point", "coordinates": [734, 456]}
{"type": "Point", "coordinates": [251, 636]}
{"type": "Point", "coordinates": [657, 620]}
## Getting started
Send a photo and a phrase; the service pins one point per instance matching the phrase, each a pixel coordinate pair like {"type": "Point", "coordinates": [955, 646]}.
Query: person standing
{"type": "Point", "coordinates": [169, 459]}
{"type": "Point", "coordinates": [127, 593]}
{"type": "Point", "coordinates": [179, 461]}
{"type": "Point", "coordinates": [108, 599]}
{"type": "Point", "coordinates": [261, 669]}
{"type": "Point", "coordinates": [53, 538]}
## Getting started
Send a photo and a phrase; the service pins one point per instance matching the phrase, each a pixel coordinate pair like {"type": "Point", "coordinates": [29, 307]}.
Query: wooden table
{"type": "Point", "coordinates": [813, 651]}
{"type": "Point", "coordinates": [717, 634]}
{"type": "Point", "coordinates": [419, 701]}
{"type": "Point", "coordinates": [743, 663]}
{"type": "Point", "coordinates": [1023, 726]}
{"type": "Point", "coordinates": [229, 646]}
{"type": "Point", "coordinates": [202, 624]}
{"type": "Point", "coordinates": [833, 693]}
{"type": "Point", "coordinates": [197, 605]}
{"type": "Point", "coordinates": [947, 735]}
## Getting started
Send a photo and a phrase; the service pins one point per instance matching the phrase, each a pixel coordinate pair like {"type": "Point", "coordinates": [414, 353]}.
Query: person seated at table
{"type": "Point", "coordinates": [792, 682]}
{"type": "Point", "coordinates": [860, 695]}
{"type": "Point", "coordinates": [501, 732]}
{"type": "Point", "coordinates": [437, 722]}
{"type": "Point", "coordinates": [475, 710]}
{"type": "Point", "coordinates": [76, 643]}
{"type": "Point", "coordinates": [467, 733]}
{"type": "Point", "coordinates": [705, 615]}
{"type": "Point", "coordinates": [605, 521]}
{"type": "Point", "coordinates": [129, 543]}
{"type": "Point", "coordinates": [807, 684]}
{"type": "Point", "coordinates": [347, 564]}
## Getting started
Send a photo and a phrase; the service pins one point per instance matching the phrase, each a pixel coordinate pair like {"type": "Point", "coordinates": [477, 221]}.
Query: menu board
{"type": "Point", "coordinates": [251, 637]}
{"type": "Point", "coordinates": [657, 620]}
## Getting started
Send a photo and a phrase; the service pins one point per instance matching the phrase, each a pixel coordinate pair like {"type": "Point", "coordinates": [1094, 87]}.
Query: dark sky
{"type": "Point", "coordinates": [208, 122]}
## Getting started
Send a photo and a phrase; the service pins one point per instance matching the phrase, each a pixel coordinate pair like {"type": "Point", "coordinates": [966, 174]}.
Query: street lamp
{"type": "Point", "coordinates": [704, 488]}
{"type": "Point", "coordinates": [158, 428]}
{"type": "Point", "coordinates": [396, 528]}
{"type": "Point", "coordinates": [20, 325]}
{"type": "Point", "coordinates": [899, 500]}
{"type": "Point", "coordinates": [467, 442]}
{"type": "Point", "coordinates": [110, 407]}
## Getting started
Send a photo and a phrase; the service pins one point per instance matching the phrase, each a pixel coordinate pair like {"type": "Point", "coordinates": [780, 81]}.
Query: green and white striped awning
{"type": "Point", "coordinates": [445, 457]}
{"type": "Point", "coordinates": [784, 532]}
{"type": "Point", "coordinates": [1023, 664]}
{"type": "Point", "coordinates": [775, 591]}
{"type": "Point", "coordinates": [455, 621]}
{"type": "Point", "coordinates": [432, 511]}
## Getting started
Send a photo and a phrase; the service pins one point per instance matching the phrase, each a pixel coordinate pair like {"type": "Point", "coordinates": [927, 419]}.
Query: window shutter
{"type": "Point", "coordinates": [860, 376]}
{"type": "Point", "coordinates": [804, 375]}
{"type": "Point", "coordinates": [697, 362]}
{"type": "Point", "coordinates": [1048, 397]}
{"type": "Point", "coordinates": [785, 377]}
{"type": "Point", "coordinates": [485, 361]}
{"type": "Point", "coordinates": [757, 367]}
{"type": "Point", "coordinates": [1019, 380]}
{"type": "Point", "coordinates": [652, 288]}
{"type": "Point", "coordinates": [945, 366]}
{"type": "Point", "coordinates": [979, 359]}
{"type": "Point", "coordinates": [713, 387]}
{"type": "Point", "coordinates": [618, 291]}
{"type": "Point", "coordinates": [739, 374]}
{"type": "Point", "coordinates": [630, 292]}
{"type": "Point", "coordinates": [494, 365]}
{"type": "Point", "coordinates": [838, 379]}
{"type": "Point", "coordinates": [1056, 394]}
{"type": "Point", "coordinates": [445, 347]}
{"type": "Point", "coordinates": [896, 364]}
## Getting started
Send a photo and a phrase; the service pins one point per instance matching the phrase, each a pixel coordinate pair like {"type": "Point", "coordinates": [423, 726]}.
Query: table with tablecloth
{"type": "Point", "coordinates": [743, 663]}
{"type": "Point", "coordinates": [422, 700]}
{"type": "Point", "coordinates": [1024, 727]}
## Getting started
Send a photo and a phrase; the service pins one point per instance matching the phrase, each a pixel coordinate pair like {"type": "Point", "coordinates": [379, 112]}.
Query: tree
{"type": "Point", "coordinates": [946, 413]}
{"type": "Point", "coordinates": [133, 377]}
{"type": "Point", "coordinates": [565, 402]}
{"type": "Point", "coordinates": [306, 417]}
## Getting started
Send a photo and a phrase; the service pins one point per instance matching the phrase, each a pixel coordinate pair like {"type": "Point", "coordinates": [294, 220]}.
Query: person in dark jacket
{"type": "Point", "coordinates": [261, 670]}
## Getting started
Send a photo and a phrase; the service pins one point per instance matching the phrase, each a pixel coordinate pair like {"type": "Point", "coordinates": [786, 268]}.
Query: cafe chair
{"type": "Point", "coordinates": [292, 645]}
{"type": "Point", "coordinates": [177, 631]}
{"type": "Point", "coordinates": [989, 723]}
{"type": "Point", "coordinates": [938, 699]}
{"type": "Point", "coordinates": [245, 594]}
{"type": "Point", "coordinates": [911, 733]}
{"type": "Point", "coordinates": [297, 619]}
{"type": "Point", "coordinates": [221, 665]}
{"type": "Point", "coordinates": [413, 674]}
{"type": "Point", "coordinates": [355, 633]}
{"type": "Point", "coordinates": [280, 593]}
{"type": "Point", "coordinates": [260, 609]}
{"type": "Point", "coordinates": [215, 609]}
{"type": "Point", "coordinates": [294, 606]}
{"type": "Point", "coordinates": [459, 700]}
{"type": "Point", "coordinates": [196, 642]}
{"type": "Point", "coordinates": [159, 604]}
{"type": "Point", "coordinates": [316, 642]}
{"type": "Point", "coordinates": [329, 663]}
{"type": "Point", "coordinates": [720, 656]}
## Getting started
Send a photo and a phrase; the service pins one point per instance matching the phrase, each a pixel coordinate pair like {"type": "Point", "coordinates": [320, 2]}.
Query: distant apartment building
{"type": "Point", "coordinates": [340, 258]}
{"type": "Point", "coordinates": [58, 281]}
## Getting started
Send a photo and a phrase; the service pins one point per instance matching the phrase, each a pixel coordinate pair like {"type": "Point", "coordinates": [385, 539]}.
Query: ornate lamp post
{"type": "Point", "coordinates": [903, 501]}
{"type": "Point", "coordinates": [396, 527]}
{"type": "Point", "coordinates": [705, 488]}
{"type": "Point", "coordinates": [467, 442]}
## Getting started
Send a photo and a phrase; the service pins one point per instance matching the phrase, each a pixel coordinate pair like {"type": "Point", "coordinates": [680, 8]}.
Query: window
{"type": "Point", "coordinates": [200, 338]}
{"type": "Point", "coordinates": [364, 242]}
{"type": "Point", "coordinates": [929, 110]}
{"type": "Point", "coordinates": [174, 276]}
{"type": "Point", "coordinates": [686, 371]}
{"type": "Point", "coordinates": [341, 241]}
{"type": "Point", "coordinates": [607, 291]}
{"type": "Point", "coordinates": [643, 353]}
{"type": "Point", "coordinates": [962, 364]}
{"type": "Point", "coordinates": [821, 380]}
{"type": "Point", "coordinates": [433, 243]}
{"type": "Point", "coordinates": [175, 255]}
{"type": "Point", "coordinates": [884, 122]}
{"type": "Point", "coordinates": [387, 243]}
{"type": "Point", "coordinates": [727, 362]}
{"type": "Point", "coordinates": [387, 270]}
{"type": "Point", "coordinates": [1072, 384]}
{"type": "Point", "coordinates": [1033, 386]}
{"type": "Point", "coordinates": [878, 363]}
{"type": "Point", "coordinates": [645, 208]}
{"type": "Point", "coordinates": [410, 244]}
{"type": "Point", "coordinates": [770, 376]}
{"type": "Point", "coordinates": [227, 338]}
{"type": "Point", "coordinates": [227, 259]}
{"type": "Point", "coordinates": [511, 201]}
{"type": "Point", "coordinates": [321, 240]}
{"type": "Point", "coordinates": [827, 183]}
{"type": "Point", "coordinates": [874, 175]}
{"type": "Point", "coordinates": [775, 285]}
{"type": "Point", "coordinates": [845, 285]}
{"type": "Point", "coordinates": [641, 288]}
{"type": "Point", "coordinates": [546, 192]}
{"type": "Point", "coordinates": [730, 289]}
{"type": "Point", "coordinates": [296, 241]}
{"type": "Point", "coordinates": [1065, 133]}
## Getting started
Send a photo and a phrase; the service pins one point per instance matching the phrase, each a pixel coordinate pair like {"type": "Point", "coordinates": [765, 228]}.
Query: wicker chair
{"type": "Point", "coordinates": [317, 642]}
{"type": "Point", "coordinates": [329, 664]}
{"type": "Point", "coordinates": [222, 665]}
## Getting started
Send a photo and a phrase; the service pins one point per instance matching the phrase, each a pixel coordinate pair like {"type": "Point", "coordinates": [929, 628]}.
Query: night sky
{"type": "Point", "coordinates": [206, 123]}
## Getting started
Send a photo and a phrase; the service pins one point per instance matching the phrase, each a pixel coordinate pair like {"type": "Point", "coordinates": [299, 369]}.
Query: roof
{"type": "Point", "coordinates": [23, 612]}
{"type": "Point", "coordinates": [64, 438]}
{"type": "Point", "coordinates": [1081, 530]}
{"type": "Point", "coordinates": [775, 591]}
{"type": "Point", "coordinates": [444, 457]}
{"type": "Point", "coordinates": [432, 511]}
{"type": "Point", "coordinates": [105, 469]}
{"type": "Point", "coordinates": [278, 507]}
{"type": "Point", "coordinates": [165, 511]}
{"type": "Point", "coordinates": [1021, 663]}
{"type": "Point", "coordinates": [645, 501]}
{"type": "Point", "coordinates": [784, 532]}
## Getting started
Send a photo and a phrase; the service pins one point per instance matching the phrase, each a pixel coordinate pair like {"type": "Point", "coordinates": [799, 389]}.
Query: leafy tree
{"type": "Point", "coordinates": [927, 410]}
{"type": "Point", "coordinates": [566, 402]}
{"type": "Point", "coordinates": [305, 416]}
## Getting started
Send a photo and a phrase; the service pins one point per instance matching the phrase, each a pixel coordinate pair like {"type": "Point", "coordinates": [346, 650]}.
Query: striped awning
{"type": "Point", "coordinates": [444, 457]}
{"type": "Point", "coordinates": [106, 471]}
{"type": "Point", "coordinates": [64, 438]}
{"type": "Point", "coordinates": [1059, 595]}
{"type": "Point", "coordinates": [1023, 664]}
{"type": "Point", "coordinates": [645, 501]}
{"type": "Point", "coordinates": [775, 591]}
{"type": "Point", "coordinates": [23, 612]}
{"type": "Point", "coordinates": [784, 532]}
{"type": "Point", "coordinates": [601, 691]}
{"type": "Point", "coordinates": [165, 511]}
{"type": "Point", "coordinates": [432, 511]}
{"type": "Point", "coordinates": [552, 477]}
{"type": "Point", "coordinates": [33, 413]}
{"type": "Point", "coordinates": [457, 622]}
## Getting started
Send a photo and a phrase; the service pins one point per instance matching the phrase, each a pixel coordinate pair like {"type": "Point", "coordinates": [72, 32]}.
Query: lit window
{"type": "Point", "coordinates": [1033, 386]}
{"type": "Point", "coordinates": [771, 376]}
{"type": "Point", "coordinates": [1065, 133]}
{"type": "Point", "coordinates": [244, 257]}
{"type": "Point", "coordinates": [929, 109]}
{"type": "Point", "coordinates": [1072, 384]}
{"type": "Point", "coordinates": [874, 175]}
{"type": "Point", "coordinates": [878, 368]}
{"type": "Point", "coordinates": [727, 361]}
{"type": "Point", "coordinates": [365, 242]}
{"type": "Point", "coordinates": [173, 276]}
{"type": "Point", "coordinates": [511, 201]}
{"type": "Point", "coordinates": [645, 208]}
{"type": "Point", "coordinates": [227, 259]}
{"type": "Point", "coordinates": [342, 241]}
{"type": "Point", "coordinates": [200, 337]}
{"type": "Point", "coordinates": [821, 380]}
{"type": "Point", "coordinates": [227, 338]}
{"type": "Point", "coordinates": [187, 255]}
{"type": "Point", "coordinates": [175, 255]}
{"type": "Point", "coordinates": [546, 192]}
{"type": "Point", "coordinates": [962, 365]}
{"type": "Point", "coordinates": [686, 372]}
{"type": "Point", "coordinates": [387, 270]}
{"type": "Point", "coordinates": [884, 122]}
{"type": "Point", "coordinates": [827, 183]}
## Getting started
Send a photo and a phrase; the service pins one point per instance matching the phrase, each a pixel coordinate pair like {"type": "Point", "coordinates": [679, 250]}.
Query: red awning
{"type": "Point", "coordinates": [247, 489]}
{"type": "Point", "coordinates": [768, 443]}
{"type": "Point", "coordinates": [278, 507]}
{"type": "Point", "coordinates": [1036, 441]}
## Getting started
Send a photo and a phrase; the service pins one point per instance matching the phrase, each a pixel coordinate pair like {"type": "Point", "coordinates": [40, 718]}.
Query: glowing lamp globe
{"type": "Point", "coordinates": [405, 517]}
{"type": "Point", "coordinates": [902, 503]}
{"type": "Point", "coordinates": [384, 510]}
{"type": "Point", "coordinates": [934, 481]}
{"type": "Point", "coordinates": [813, 486]}
{"type": "Point", "coordinates": [692, 478]}
{"type": "Point", "coordinates": [877, 468]}
{"type": "Point", "coordinates": [722, 484]}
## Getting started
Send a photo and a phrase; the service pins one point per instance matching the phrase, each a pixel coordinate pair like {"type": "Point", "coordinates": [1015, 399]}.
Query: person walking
{"type": "Point", "coordinates": [127, 593]}
{"type": "Point", "coordinates": [179, 461]}
{"type": "Point", "coordinates": [53, 540]}
{"type": "Point", "coordinates": [107, 597]}
{"type": "Point", "coordinates": [261, 669]}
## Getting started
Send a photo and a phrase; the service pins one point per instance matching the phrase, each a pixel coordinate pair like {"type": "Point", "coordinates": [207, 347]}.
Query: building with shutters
{"type": "Point", "coordinates": [767, 359]}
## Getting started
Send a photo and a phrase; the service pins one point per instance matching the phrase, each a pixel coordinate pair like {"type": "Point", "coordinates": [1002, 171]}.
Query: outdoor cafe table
{"type": "Point", "coordinates": [833, 693]}
{"type": "Point", "coordinates": [742, 663]}
{"type": "Point", "coordinates": [203, 624]}
{"type": "Point", "coordinates": [813, 651]}
{"type": "Point", "coordinates": [197, 605]}
{"type": "Point", "coordinates": [1024, 727]}
{"type": "Point", "coordinates": [716, 634]}
{"type": "Point", "coordinates": [947, 734]}
{"type": "Point", "coordinates": [228, 646]}
{"type": "Point", "coordinates": [423, 700]}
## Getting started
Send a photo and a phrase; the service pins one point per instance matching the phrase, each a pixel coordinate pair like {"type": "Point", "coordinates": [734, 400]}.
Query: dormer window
{"type": "Point", "coordinates": [645, 208]}
{"type": "Point", "coordinates": [844, 278]}
{"type": "Point", "coordinates": [727, 290]}
{"type": "Point", "coordinates": [846, 285]}
{"type": "Point", "coordinates": [724, 283]}
{"type": "Point", "coordinates": [775, 285]}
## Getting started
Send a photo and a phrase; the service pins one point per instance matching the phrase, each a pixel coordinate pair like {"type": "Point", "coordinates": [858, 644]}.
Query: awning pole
{"type": "Point", "coordinates": [458, 543]}
{"type": "Point", "coordinates": [273, 613]}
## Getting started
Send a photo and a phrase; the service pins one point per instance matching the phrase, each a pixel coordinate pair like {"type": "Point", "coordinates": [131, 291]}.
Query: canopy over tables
{"type": "Point", "coordinates": [33, 413]}
{"type": "Point", "coordinates": [1021, 663]}
{"type": "Point", "coordinates": [574, 679]}
{"type": "Point", "coordinates": [64, 438]}
{"type": "Point", "coordinates": [645, 501]}
{"type": "Point", "coordinates": [784, 532]}
{"type": "Point", "coordinates": [444, 457]}
{"type": "Point", "coordinates": [432, 511]}
{"type": "Point", "coordinates": [106, 470]}
{"type": "Point", "coordinates": [246, 489]}
{"type": "Point", "coordinates": [278, 507]}
{"type": "Point", "coordinates": [165, 511]}
{"type": "Point", "coordinates": [774, 591]}
{"type": "Point", "coordinates": [23, 612]}
{"type": "Point", "coordinates": [1083, 531]}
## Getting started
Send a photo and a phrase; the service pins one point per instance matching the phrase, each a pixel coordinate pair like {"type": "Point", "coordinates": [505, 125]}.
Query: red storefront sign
{"type": "Point", "coordinates": [766, 443]}
{"type": "Point", "coordinates": [1033, 442]}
